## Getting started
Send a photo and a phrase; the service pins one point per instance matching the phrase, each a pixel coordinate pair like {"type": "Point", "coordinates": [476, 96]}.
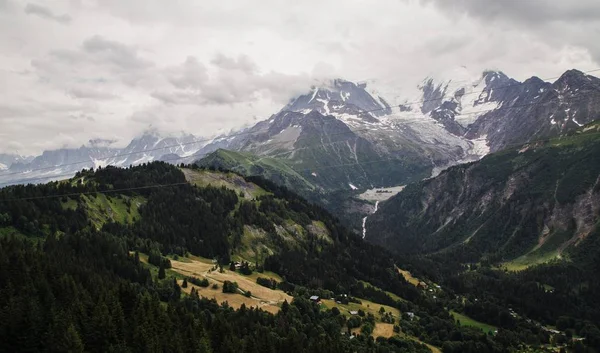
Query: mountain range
{"type": "Point", "coordinates": [478, 197]}
{"type": "Point", "coordinates": [348, 137]}
{"type": "Point", "coordinates": [64, 163]}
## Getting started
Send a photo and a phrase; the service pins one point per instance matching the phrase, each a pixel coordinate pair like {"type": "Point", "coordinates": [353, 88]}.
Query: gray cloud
{"type": "Point", "coordinates": [6, 5]}
{"type": "Point", "coordinates": [557, 22]}
{"type": "Point", "coordinates": [242, 63]}
{"type": "Point", "coordinates": [46, 13]}
{"type": "Point", "coordinates": [81, 116]}
{"type": "Point", "coordinates": [205, 68]}
{"type": "Point", "coordinates": [120, 55]}
{"type": "Point", "coordinates": [530, 12]}
{"type": "Point", "coordinates": [190, 75]}
{"type": "Point", "coordinates": [85, 92]}
{"type": "Point", "coordinates": [232, 81]}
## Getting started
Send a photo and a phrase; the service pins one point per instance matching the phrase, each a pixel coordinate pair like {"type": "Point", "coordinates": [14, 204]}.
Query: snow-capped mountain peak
{"type": "Point", "coordinates": [61, 162]}
{"type": "Point", "coordinates": [445, 119]}
{"type": "Point", "coordinates": [339, 93]}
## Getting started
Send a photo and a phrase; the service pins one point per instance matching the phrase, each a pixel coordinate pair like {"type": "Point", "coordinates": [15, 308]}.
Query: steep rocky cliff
{"type": "Point", "coordinates": [534, 202]}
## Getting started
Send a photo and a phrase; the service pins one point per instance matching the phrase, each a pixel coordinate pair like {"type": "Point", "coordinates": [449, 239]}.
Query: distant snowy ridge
{"type": "Point", "coordinates": [446, 119]}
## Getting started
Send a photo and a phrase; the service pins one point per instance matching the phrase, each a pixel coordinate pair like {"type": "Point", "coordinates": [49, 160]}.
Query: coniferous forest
{"type": "Point", "coordinates": [73, 277]}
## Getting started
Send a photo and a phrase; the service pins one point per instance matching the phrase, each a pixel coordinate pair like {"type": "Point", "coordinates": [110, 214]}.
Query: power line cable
{"type": "Point", "coordinates": [93, 192]}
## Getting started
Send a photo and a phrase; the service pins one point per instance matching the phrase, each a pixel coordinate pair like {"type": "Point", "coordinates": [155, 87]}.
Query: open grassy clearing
{"type": "Point", "coordinates": [263, 297]}
{"type": "Point", "coordinates": [154, 269]}
{"type": "Point", "coordinates": [14, 232]}
{"type": "Point", "coordinates": [234, 300]}
{"type": "Point", "coordinates": [467, 321]}
{"type": "Point", "coordinates": [408, 277]}
{"type": "Point", "coordinates": [433, 349]}
{"type": "Point", "coordinates": [103, 208]}
{"type": "Point", "coordinates": [531, 259]}
{"type": "Point", "coordinates": [547, 287]}
{"type": "Point", "coordinates": [247, 163]}
{"type": "Point", "coordinates": [319, 230]}
{"type": "Point", "coordinates": [218, 179]}
{"type": "Point", "coordinates": [252, 245]}
{"type": "Point", "coordinates": [387, 330]}
{"type": "Point", "coordinates": [71, 204]}
{"type": "Point", "coordinates": [392, 295]}
{"type": "Point", "coordinates": [366, 306]}
{"type": "Point", "coordinates": [266, 274]}
{"type": "Point", "coordinates": [198, 259]}
{"type": "Point", "coordinates": [548, 249]}
{"type": "Point", "coordinates": [383, 330]}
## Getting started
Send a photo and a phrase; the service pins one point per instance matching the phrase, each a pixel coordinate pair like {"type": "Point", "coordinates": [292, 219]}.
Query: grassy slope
{"type": "Point", "coordinates": [531, 259]}
{"type": "Point", "coordinates": [102, 208]}
{"type": "Point", "coordinates": [249, 164]}
{"type": "Point", "coordinates": [262, 297]}
{"type": "Point", "coordinates": [392, 295]}
{"type": "Point", "coordinates": [229, 180]}
{"type": "Point", "coordinates": [409, 277]}
{"type": "Point", "coordinates": [13, 232]}
{"type": "Point", "coordinates": [467, 321]}
{"type": "Point", "coordinates": [366, 306]}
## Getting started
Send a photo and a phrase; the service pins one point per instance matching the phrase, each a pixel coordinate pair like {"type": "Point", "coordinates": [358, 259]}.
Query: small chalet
{"type": "Point", "coordinates": [315, 298]}
{"type": "Point", "coordinates": [353, 312]}
{"type": "Point", "coordinates": [411, 315]}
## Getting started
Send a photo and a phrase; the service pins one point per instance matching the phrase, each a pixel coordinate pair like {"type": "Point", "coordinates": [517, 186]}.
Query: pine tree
{"type": "Point", "coordinates": [184, 284]}
{"type": "Point", "coordinates": [161, 272]}
{"type": "Point", "coordinates": [73, 343]}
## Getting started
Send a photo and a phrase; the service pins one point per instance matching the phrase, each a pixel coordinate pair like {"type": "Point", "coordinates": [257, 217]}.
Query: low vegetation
{"type": "Point", "coordinates": [467, 321]}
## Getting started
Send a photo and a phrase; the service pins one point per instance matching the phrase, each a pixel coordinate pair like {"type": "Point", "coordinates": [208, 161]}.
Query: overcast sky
{"type": "Point", "coordinates": [75, 70]}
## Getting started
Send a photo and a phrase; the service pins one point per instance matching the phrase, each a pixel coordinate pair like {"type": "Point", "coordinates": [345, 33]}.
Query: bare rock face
{"type": "Point", "coordinates": [543, 198]}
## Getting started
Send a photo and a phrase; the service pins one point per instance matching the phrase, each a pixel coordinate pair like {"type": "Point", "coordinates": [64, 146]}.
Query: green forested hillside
{"type": "Point", "coordinates": [326, 184]}
{"type": "Point", "coordinates": [246, 163]}
{"type": "Point", "coordinates": [84, 266]}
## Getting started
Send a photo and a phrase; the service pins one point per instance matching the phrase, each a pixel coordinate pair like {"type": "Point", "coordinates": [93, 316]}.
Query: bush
{"type": "Point", "coordinates": [230, 287]}
{"type": "Point", "coordinates": [215, 286]}
{"type": "Point", "coordinates": [367, 329]}
{"type": "Point", "coordinates": [155, 258]}
{"type": "Point", "coordinates": [248, 294]}
{"type": "Point", "coordinates": [245, 269]}
{"type": "Point", "coordinates": [5, 219]}
{"type": "Point", "coordinates": [199, 282]}
{"type": "Point", "coordinates": [353, 322]}
{"type": "Point", "coordinates": [267, 282]}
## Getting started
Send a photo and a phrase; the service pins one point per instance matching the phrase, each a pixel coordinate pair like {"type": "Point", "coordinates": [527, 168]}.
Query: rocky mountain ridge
{"type": "Point", "coordinates": [526, 205]}
{"type": "Point", "coordinates": [357, 134]}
